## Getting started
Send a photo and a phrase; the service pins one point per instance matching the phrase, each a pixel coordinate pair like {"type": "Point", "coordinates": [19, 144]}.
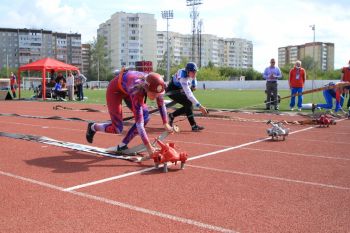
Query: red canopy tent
{"type": "Point", "coordinates": [44, 65]}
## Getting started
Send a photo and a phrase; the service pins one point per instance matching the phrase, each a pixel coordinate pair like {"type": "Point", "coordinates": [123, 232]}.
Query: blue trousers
{"type": "Point", "coordinates": [295, 90]}
{"type": "Point", "coordinates": [329, 102]}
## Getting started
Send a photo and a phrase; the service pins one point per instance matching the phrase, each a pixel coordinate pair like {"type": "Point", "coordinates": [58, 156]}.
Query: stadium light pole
{"type": "Point", "coordinates": [313, 54]}
{"type": "Point", "coordinates": [194, 15]}
{"type": "Point", "coordinates": [167, 15]}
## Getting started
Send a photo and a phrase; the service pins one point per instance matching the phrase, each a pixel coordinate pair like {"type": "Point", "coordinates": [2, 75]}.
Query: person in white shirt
{"type": "Point", "coordinates": [70, 85]}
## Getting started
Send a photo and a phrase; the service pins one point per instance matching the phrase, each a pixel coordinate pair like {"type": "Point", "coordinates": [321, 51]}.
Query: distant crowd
{"type": "Point", "coordinates": [70, 86]}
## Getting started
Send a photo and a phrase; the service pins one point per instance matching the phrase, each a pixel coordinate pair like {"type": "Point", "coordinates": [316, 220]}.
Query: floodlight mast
{"type": "Point", "coordinates": [194, 15]}
{"type": "Point", "coordinates": [313, 27]}
{"type": "Point", "coordinates": [167, 15]}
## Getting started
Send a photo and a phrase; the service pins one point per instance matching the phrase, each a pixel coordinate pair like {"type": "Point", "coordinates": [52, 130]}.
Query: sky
{"type": "Point", "coordinates": [268, 24]}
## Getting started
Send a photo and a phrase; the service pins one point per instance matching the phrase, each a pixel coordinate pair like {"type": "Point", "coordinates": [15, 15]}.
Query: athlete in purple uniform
{"type": "Point", "coordinates": [132, 87]}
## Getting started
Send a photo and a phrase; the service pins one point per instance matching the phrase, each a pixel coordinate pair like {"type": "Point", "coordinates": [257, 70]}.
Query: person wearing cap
{"type": "Point", "coordinates": [297, 77]}
{"type": "Point", "coordinates": [132, 87]}
{"type": "Point", "coordinates": [345, 77]}
{"type": "Point", "coordinates": [180, 90]}
{"type": "Point", "coordinates": [332, 91]}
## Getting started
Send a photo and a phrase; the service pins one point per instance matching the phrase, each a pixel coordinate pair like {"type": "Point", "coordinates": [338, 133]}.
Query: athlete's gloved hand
{"type": "Point", "coordinates": [203, 110]}
{"type": "Point", "coordinates": [150, 150]}
{"type": "Point", "coordinates": [168, 128]}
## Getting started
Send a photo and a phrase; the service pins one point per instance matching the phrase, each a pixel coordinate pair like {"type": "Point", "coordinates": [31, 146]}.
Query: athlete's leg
{"type": "Point", "coordinates": [133, 131]}
{"type": "Point", "coordinates": [187, 108]}
{"type": "Point", "coordinates": [329, 101]}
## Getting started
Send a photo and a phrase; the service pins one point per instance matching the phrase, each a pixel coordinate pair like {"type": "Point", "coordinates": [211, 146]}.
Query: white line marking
{"type": "Point", "coordinates": [299, 154]}
{"type": "Point", "coordinates": [240, 146]}
{"type": "Point", "coordinates": [169, 164]}
{"type": "Point", "coordinates": [272, 177]}
{"type": "Point", "coordinates": [109, 179]}
{"type": "Point", "coordinates": [123, 205]}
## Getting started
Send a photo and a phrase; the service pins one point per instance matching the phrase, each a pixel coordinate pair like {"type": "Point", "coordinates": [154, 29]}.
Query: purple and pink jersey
{"type": "Point", "coordinates": [131, 90]}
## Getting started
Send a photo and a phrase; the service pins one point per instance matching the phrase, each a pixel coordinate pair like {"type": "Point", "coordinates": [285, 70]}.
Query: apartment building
{"type": "Point", "coordinates": [322, 53]}
{"type": "Point", "coordinates": [85, 58]}
{"type": "Point", "coordinates": [231, 52]}
{"type": "Point", "coordinates": [130, 37]}
{"type": "Point", "coordinates": [21, 46]}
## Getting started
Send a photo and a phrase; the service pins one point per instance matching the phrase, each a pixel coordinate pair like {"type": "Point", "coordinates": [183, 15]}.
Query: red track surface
{"type": "Point", "coordinates": [235, 180]}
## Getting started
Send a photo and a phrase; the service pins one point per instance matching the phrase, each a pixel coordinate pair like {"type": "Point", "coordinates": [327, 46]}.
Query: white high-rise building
{"type": "Point", "coordinates": [130, 37]}
{"type": "Point", "coordinates": [230, 52]}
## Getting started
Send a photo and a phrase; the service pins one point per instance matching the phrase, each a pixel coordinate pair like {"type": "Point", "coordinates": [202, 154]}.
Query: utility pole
{"type": "Point", "coordinates": [7, 65]}
{"type": "Point", "coordinates": [167, 15]}
{"type": "Point", "coordinates": [194, 15]}
{"type": "Point", "coordinates": [98, 72]}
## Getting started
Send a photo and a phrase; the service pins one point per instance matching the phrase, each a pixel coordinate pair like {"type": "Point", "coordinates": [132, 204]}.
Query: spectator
{"type": "Point", "coordinates": [52, 76]}
{"type": "Point", "coordinates": [345, 77]}
{"type": "Point", "coordinates": [59, 77]}
{"type": "Point", "coordinates": [59, 90]}
{"type": "Point", "coordinates": [132, 87]}
{"type": "Point", "coordinates": [180, 90]}
{"type": "Point", "coordinates": [80, 79]}
{"type": "Point", "coordinates": [271, 75]}
{"type": "Point", "coordinates": [297, 77]}
{"type": "Point", "coordinates": [70, 85]}
{"type": "Point", "coordinates": [13, 84]}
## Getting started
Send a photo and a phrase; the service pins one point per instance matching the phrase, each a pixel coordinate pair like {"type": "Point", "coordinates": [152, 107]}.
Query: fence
{"type": "Point", "coordinates": [256, 85]}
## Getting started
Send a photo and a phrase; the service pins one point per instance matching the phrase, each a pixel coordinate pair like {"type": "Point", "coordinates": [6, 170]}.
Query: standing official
{"type": "Point", "coordinates": [271, 75]}
{"type": "Point", "coordinates": [297, 77]}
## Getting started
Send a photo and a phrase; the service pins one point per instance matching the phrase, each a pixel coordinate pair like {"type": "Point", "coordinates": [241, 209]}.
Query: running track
{"type": "Point", "coordinates": [236, 179]}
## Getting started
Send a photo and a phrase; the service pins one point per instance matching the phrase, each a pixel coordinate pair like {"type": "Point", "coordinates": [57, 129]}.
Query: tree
{"type": "Point", "coordinates": [100, 69]}
{"type": "Point", "coordinates": [308, 63]}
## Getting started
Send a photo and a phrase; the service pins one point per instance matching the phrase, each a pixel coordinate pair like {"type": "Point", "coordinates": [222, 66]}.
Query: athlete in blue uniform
{"type": "Point", "coordinates": [332, 92]}
{"type": "Point", "coordinates": [180, 90]}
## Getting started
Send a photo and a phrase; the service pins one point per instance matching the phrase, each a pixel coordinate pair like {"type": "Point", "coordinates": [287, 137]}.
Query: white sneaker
{"type": "Point", "coordinates": [292, 109]}
{"type": "Point", "coordinates": [299, 109]}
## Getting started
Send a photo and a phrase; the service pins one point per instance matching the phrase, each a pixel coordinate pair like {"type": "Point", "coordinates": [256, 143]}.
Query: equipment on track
{"type": "Point", "coordinates": [277, 130]}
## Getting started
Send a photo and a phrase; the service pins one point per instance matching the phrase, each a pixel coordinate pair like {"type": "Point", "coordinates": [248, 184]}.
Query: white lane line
{"type": "Point", "coordinates": [299, 154]}
{"type": "Point", "coordinates": [272, 177]}
{"type": "Point", "coordinates": [109, 179]}
{"type": "Point", "coordinates": [169, 164]}
{"type": "Point", "coordinates": [123, 205]}
{"type": "Point", "coordinates": [240, 146]}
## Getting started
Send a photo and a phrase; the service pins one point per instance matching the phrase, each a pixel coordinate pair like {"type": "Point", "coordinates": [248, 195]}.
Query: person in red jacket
{"type": "Point", "coordinates": [13, 84]}
{"type": "Point", "coordinates": [297, 77]}
{"type": "Point", "coordinates": [345, 77]}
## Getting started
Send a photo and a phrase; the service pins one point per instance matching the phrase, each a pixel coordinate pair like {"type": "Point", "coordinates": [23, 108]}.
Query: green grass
{"type": "Point", "coordinates": [218, 98]}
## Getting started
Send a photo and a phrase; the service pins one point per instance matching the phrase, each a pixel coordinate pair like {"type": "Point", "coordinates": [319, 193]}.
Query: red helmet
{"type": "Point", "coordinates": [155, 83]}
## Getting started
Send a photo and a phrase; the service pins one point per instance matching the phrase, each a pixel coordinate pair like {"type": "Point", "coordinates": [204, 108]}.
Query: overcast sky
{"type": "Point", "coordinates": [268, 24]}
